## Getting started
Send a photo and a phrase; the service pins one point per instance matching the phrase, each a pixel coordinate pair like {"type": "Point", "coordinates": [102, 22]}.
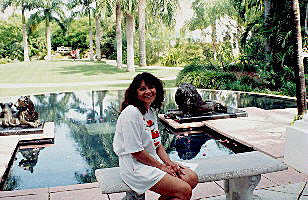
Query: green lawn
{"type": "Point", "coordinates": [39, 73]}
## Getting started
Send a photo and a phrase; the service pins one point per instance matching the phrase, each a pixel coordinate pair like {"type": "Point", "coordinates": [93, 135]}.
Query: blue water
{"type": "Point", "coordinates": [84, 129]}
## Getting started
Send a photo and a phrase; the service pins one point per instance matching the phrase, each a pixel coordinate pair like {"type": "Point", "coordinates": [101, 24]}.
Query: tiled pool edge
{"type": "Point", "coordinates": [9, 146]}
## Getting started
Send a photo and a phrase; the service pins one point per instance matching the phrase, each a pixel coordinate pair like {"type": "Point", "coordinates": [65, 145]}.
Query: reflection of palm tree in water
{"type": "Point", "coordinates": [100, 99]}
{"type": "Point", "coordinates": [52, 108]}
{"type": "Point", "coordinates": [95, 139]}
{"type": "Point", "coordinates": [30, 158]}
{"type": "Point", "coordinates": [95, 146]}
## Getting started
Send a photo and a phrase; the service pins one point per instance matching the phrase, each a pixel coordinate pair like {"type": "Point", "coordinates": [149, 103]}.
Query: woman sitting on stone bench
{"type": "Point", "coordinates": [144, 163]}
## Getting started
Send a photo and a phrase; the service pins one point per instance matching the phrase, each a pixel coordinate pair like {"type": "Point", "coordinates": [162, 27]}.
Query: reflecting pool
{"type": "Point", "coordinates": [84, 129]}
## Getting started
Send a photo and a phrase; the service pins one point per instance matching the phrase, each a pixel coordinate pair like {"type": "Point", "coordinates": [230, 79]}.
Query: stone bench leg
{"type": "Point", "coordinates": [241, 188]}
{"type": "Point", "coordinates": [134, 196]}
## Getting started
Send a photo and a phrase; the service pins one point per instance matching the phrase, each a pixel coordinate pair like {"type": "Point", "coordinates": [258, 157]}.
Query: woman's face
{"type": "Point", "coordinates": [146, 94]}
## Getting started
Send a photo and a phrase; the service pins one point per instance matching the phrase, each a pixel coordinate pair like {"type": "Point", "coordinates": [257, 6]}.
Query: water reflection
{"type": "Point", "coordinates": [84, 129]}
{"type": "Point", "coordinates": [30, 157]}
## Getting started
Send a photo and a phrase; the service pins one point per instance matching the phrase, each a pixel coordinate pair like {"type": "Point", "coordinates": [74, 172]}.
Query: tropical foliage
{"type": "Point", "coordinates": [251, 38]}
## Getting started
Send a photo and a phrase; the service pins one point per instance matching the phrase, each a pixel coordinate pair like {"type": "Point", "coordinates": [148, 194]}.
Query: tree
{"type": "Point", "coordinates": [268, 15]}
{"type": "Point", "coordinates": [207, 14]}
{"type": "Point", "coordinates": [86, 10]}
{"type": "Point", "coordinates": [102, 10]}
{"type": "Point", "coordinates": [119, 33]}
{"type": "Point", "coordinates": [306, 20]}
{"type": "Point", "coordinates": [48, 11]}
{"type": "Point", "coordinates": [129, 8]}
{"type": "Point", "coordinates": [98, 13]}
{"type": "Point", "coordinates": [25, 5]}
{"type": "Point", "coordinates": [142, 49]}
{"type": "Point", "coordinates": [298, 58]}
{"type": "Point", "coordinates": [130, 30]}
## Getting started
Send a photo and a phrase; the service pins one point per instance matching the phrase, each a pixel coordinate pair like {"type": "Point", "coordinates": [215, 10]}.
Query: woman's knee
{"type": "Point", "coordinates": [194, 180]}
{"type": "Point", "coordinates": [185, 192]}
{"type": "Point", "coordinates": [191, 178]}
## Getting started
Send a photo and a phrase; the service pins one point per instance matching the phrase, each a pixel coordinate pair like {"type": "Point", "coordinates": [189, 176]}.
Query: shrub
{"type": "Point", "coordinates": [250, 81]}
{"type": "Point", "coordinates": [183, 54]}
{"type": "Point", "coordinates": [289, 88]}
{"type": "Point", "coordinates": [5, 60]}
{"type": "Point", "coordinates": [234, 67]}
{"type": "Point", "coordinates": [237, 86]}
{"type": "Point", "coordinates": [194, 67]}
{"type": "Point", "coordinates": [208, 79]}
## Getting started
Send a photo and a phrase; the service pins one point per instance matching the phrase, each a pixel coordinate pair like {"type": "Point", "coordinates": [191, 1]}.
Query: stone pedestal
{"type": "Point", "coordinates": [241, 188]}
{"type": "Point", "coordinates": [21, 130]}
{"type": "Point", "coordinates": [134, 196]}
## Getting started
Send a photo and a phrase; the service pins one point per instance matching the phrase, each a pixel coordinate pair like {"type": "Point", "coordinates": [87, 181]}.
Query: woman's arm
{"type": "Point", "coordinates": [161, 152]}
{"type": "Point", "coordinates": [145, 158]}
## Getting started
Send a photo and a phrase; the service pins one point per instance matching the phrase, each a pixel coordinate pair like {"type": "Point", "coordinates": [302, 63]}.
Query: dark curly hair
{"type": "Point", "coordinates": [131, 96]}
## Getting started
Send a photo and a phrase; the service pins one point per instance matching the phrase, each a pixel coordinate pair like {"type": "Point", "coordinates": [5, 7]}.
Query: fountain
{"type": "Point", "coordinates": [23, 120]}
{"type": "Point", "coordinates": [191, 109]}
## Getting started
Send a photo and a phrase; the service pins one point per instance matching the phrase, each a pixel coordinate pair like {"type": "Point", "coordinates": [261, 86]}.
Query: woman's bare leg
{"type": "Point", "coordinates": [172, 188]}
{"type": "Point", "coordinates": [190, 177]}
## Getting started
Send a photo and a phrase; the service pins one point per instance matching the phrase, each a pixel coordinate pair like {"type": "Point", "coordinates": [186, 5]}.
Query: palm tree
{"type": "Point", "coordinates": [207, 13]}
{"type": "Point", "coordinates": [87, 9]}
{"type": "Point", "coordinates": [161, 11]}
{"type": "Point", "coordinates": [119, 33]}
{"type": "Point", "coordinates": [48, 11]}
{"type": "Point", "coordinates": [268, 9]}
{"type": "Point", "coordinates": [298, 58]}
{"type": "Point", "coordinates": [129, 8]}
{"type": "Point", "coordinates": [100, 11]}
{"type": "Point", "coordinates": [306, 20]}
{"type": "Point", "coordinates": [98, 30]}
{"type": "Point", "coordinates": [25, 5]}
{"type": "Point", "coordinates": [142, 49]}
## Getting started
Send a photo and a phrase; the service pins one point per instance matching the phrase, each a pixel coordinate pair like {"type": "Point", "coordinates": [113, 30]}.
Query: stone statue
{"type": "Point", "coordinates": [26, 114]}
{"type": "Point", "coordinates": [6, 115]}
{"type": "Point", "coordinates": [189, 101]}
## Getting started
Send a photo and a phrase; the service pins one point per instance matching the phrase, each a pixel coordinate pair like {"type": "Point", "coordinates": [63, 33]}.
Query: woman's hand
{"type": "Point", "coordinates": [178, 168]}
{"type": "Point", "coordinates": [168, 169]}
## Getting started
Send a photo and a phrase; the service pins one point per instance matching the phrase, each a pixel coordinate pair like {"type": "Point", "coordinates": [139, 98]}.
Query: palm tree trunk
{"type": "Point", "coordinates": [268, 9]}
{"type": "Point", "coordinates": [298, 60]}
{"type": "Point", "coordinates": [90, 37]}
{"type": "Point", "coordinates": [91, 44]}
{"type": "Point", "coordinates": [130, 26]}
{"type": "Point", "coordinates": [142, 48]}
{"type": "Point", "coordinates": [119, 34]}
{"type": "Point", "coordinates": [48, 39]}
{"type": "Point", "coordinates": [25, 37]}
{"type": "Point", "coordinates": [98, 37]}
{"type": "Point", "coordinates": [306, 20]}
{"type": "Point", "coordinates": [213, 35]}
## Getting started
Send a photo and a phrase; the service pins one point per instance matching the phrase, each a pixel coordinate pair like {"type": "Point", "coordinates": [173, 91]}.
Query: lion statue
{"type": "Point", "coordinates": [26, 112]}
{"type": "Point", "coordinates": [6, 115]}
{"type": "Point", "coordinates": [190, 102]}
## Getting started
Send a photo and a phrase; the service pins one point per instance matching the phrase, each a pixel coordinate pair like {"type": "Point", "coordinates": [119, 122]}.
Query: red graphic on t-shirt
{"type": "Point", "coordinates": [150, 123]}
{"type": "Point", "coordinates": [156, 144]}
{"type": "Point", "coordinates": [155, 134]}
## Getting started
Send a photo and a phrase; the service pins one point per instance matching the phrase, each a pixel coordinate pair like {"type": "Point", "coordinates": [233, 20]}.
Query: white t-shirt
{"type": "Point", "coordinates": [136, 132]}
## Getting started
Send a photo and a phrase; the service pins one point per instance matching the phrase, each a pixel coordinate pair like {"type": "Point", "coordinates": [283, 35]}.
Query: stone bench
{"type": "Point", "coordinates": [296, 146]}
{"type": "Point", "coordinates": [241, 174]}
